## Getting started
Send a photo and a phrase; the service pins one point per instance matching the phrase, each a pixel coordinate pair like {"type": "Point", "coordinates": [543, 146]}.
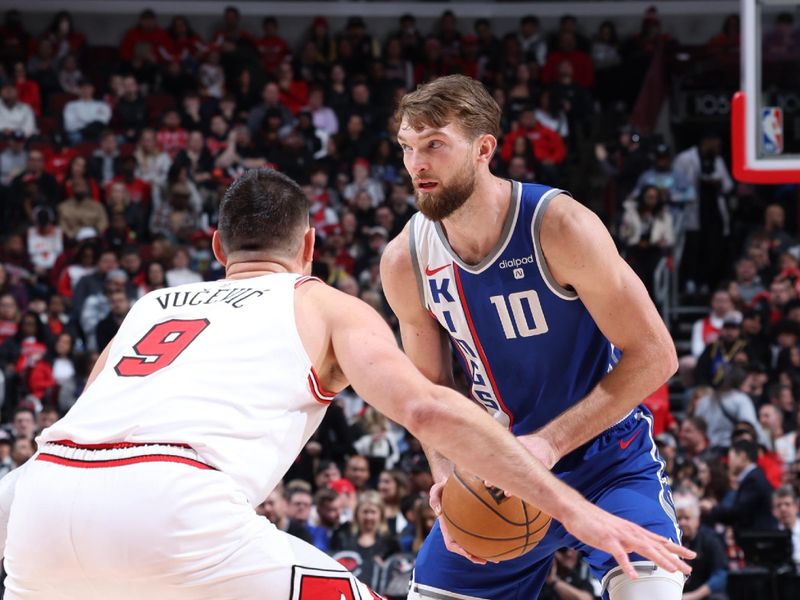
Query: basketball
{"type": "Point", "coordinates": [487, 523]}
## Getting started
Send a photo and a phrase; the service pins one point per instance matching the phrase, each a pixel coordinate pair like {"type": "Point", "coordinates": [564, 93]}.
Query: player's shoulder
{"type": "Point", "coordinates": [396, 260]}
{"type": "Point", "coordinates": [567, 219]}
{"type": "Point", "coordinates": [320, 296]}
{"type": "Point", "coordinates": [575, 242]}
{"type": "Point", "coordinates": [325, 307]}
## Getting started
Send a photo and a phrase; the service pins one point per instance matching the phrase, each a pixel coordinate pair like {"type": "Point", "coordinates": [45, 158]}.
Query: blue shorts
{"type": "Point", "coordinates": [619, 471]}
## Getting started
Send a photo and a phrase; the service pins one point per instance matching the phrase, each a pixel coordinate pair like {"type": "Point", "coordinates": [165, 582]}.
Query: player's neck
{"type": "Point", "coordinates": [245, 269]}
{"type": "Point", "coordinates": [475, 228]}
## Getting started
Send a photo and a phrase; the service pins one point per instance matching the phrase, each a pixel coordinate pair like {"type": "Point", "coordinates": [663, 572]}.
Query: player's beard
{"type": "Point", "coordinates": [448, 198]}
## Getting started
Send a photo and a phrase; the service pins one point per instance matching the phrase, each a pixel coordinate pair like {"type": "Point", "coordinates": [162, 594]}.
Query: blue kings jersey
{"type": "Point", "coordinates": [529, 346]}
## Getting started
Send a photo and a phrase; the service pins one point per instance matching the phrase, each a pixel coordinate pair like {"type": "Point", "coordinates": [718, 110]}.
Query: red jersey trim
{"type": "Point", "coordinates": [320, 393]}
{"type": "Point", "coordinates": [121, 462]}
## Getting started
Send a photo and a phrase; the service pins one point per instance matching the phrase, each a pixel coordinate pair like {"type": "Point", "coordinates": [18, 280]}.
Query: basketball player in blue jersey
{"type": "Point", "coordinates": [556, 333]}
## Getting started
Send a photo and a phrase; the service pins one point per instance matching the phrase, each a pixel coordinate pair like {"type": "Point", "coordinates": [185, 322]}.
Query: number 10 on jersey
{"type": "Point", "coordinates": [528, 321]}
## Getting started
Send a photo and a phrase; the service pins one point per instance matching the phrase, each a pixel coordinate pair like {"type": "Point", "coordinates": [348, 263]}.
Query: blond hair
{"type": "Point", "coordinates": [370, 498]}
{"type": "Point", "coordinates": [455, 98]}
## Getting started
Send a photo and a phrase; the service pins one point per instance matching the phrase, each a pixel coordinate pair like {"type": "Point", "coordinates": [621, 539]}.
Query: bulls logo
{"type": "Point", "coordinates": [350, 560]}
{"type": "Point", "coordinates": [322, 584]}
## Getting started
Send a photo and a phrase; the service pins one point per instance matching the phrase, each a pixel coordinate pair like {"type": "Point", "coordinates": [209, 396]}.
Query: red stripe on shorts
{"type": "Point", "coordinates": [115, 445]}
{"type": "Point", "coordinates": [121, 462]}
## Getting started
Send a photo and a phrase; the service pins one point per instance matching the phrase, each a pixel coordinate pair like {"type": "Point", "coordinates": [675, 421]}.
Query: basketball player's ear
{"type": "Point", "coordinates": [487, 144]}
{"type": "Point", "coordinates": [216, 247]}
{"type": "Point", "coordinates": [308, 245]}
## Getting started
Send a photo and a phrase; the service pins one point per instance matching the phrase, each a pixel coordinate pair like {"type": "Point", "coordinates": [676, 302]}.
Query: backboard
{"type": "Point", "coordinates": [765, 113]}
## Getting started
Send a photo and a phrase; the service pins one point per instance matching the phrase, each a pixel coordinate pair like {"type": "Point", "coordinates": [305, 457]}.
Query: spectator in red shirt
{"type": "Point", "coordinates": [147, 41]}
{"type": "Point", "coordinates": [81, 263]}
{"type": "Point", "coordinates": [436, 63]}
{"type": "Point", "coordinates": [293, 92]}
{"type": "Point", "coordinates": [650, 37]}
{"type": "Point", "coordinates": [138, 189]}
{"type": "Point", "coordinates": [725, 45]}
{"type": "Point", "coordinates": [62, 35]}
{"type": "Point", "coordinates": [78, 170]}
{"type": "Point", "coordinates": [27, 89]}
{"type": "Point", "coordinates": [57, 159]}
{"type": "Point", "coordinates": [186, 46]}
{"type": "Point", "coordinates": [583, 70]}
{"type": "Point", "coordinates": [56, 318]}
{"type": "Point", "coordinates": [227, 39]}
{"type": "Point", "coordinates": [172, 138]}
{"type": "Point", "coordinates": [548, 147]}
{"type": "Point", "coordinates": [272, 47]}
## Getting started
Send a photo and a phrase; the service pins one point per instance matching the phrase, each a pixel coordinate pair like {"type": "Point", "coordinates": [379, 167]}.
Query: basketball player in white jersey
{"type": "Point", "coordinates": [194, 412]}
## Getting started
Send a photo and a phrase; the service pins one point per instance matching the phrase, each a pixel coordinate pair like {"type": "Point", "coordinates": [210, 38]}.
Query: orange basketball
{"type": "Point", "coordinates": [487, 523]}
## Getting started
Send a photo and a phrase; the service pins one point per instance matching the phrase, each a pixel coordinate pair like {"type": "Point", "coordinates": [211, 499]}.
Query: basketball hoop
{"type": "Point", "coordinates": [757, 135]}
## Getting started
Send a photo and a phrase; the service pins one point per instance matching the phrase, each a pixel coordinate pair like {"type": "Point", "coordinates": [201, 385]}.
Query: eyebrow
{"type": "Point", "coordinates": [400, 138]}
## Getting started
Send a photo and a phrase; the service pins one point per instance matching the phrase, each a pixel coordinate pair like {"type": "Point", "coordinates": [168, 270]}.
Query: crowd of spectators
{"type": "Point", "coordinates": [114, 160]}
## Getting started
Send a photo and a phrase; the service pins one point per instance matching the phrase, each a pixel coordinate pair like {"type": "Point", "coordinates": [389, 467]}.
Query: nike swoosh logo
{"type": "Point", "coordinates": [431, 272]}
{"type": "Point", "coordinates": [625, 443]}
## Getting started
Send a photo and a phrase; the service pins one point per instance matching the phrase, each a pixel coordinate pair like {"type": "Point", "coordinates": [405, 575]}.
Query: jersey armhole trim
{"type": "Point", "coordinates": [315, 388]}
{"type": "Point", "coordinates": [541, 261]}
{"type": "Point", "coordinates": [412, 247]}
{"type": "Point", "coordinates": [305, 279]}
{"type": "Point", "coordinates": [320, 393]}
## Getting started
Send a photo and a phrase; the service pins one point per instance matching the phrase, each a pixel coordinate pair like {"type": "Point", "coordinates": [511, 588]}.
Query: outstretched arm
{"type": "Point", "coordinates": [368, 356]}
{"type": "Point", "coordinates": [582, 255]}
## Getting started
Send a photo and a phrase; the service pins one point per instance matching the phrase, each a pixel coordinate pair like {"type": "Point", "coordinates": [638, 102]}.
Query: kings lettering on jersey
{"type": "Point", "coordinates": [529, 346]}
{"type": "Point", "coordinates": [448, 311]}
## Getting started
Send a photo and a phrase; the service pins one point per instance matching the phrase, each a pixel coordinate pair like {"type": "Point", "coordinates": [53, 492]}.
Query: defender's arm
{"type": "Point", "coordinates": [366, 352]}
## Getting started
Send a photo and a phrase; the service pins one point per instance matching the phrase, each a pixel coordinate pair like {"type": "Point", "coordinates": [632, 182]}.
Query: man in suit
{"type": "Point", "coordinates": [752, 505]}
{"type": "Point", "coordinates": [786, 508]}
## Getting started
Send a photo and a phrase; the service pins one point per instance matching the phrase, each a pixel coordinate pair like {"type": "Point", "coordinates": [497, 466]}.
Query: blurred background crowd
{"type": "Point", "coordinates": [113, 159]}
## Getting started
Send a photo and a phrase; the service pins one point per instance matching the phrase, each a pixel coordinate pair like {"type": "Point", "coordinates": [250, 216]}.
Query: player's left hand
{"type": "Point", "coordinates": [595, 527]}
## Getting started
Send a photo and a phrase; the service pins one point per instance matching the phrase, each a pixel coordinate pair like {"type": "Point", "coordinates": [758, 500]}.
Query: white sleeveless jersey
{"type": "Point", "coordinates": [218, 366]}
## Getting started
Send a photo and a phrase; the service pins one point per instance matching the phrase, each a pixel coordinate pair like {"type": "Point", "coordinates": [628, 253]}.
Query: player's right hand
{"type": "Point", "coordinates": [435, 500]}
{"type": "Point", "coordinates": [604, 531]}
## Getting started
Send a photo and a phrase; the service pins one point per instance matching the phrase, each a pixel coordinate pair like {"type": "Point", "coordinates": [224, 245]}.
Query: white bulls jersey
{"type": "Point", "coordinates": [215, 366]}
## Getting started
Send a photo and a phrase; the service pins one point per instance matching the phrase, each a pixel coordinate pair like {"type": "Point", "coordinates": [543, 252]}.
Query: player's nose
{"type": "Point", "coordinates": [417, 163]}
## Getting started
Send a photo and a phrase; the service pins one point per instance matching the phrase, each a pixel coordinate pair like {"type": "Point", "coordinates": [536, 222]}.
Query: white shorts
{"type": "Point", "coordinates": [159, 530]}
